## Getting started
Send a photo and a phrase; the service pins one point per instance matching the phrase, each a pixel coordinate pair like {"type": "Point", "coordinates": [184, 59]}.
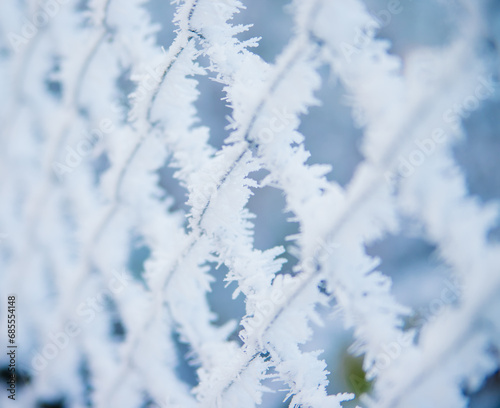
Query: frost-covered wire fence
{"type": "Point", "coordinates": [94, 110]}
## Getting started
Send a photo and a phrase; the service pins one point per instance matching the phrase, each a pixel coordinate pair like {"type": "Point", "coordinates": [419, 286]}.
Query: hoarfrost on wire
{"type": "Point", "coordinates": [102, 126]}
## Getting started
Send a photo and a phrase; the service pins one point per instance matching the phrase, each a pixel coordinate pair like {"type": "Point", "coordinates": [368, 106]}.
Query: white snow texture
{"type": "Point", "coordinates": [131, 148]}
